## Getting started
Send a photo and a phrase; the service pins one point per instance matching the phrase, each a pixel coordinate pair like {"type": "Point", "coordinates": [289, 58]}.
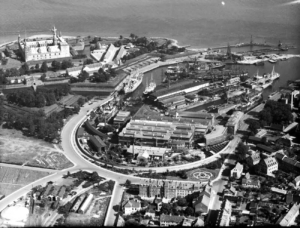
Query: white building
{"type": "Point", "coordinates": [225, 215]}
{"type": "Point", "coordinates": [74, 71]}
{"type": "Point", "coordinates": [110, 54]}
{"type": "Point", "coordinates": [236, 172]}
{"type": "Point", "coordinates": [86, 204]}
{"type": "Point", "coordinates": [91, 68]}
{"type": "Point", "coordinates": [290, 217]}
{"type": "Point", "coordinates": [50, 48]}
{"type": "Point", "coordinates": [271, 165]}
{"type": "Point", "coordinates": [132, 206]}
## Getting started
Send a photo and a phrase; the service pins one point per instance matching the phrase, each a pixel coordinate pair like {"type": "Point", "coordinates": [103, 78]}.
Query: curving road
{"type": "Point", "coordinates": [74, 155]}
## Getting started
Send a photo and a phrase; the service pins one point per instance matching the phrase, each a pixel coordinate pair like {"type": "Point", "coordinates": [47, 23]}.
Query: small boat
{"type": "Point", "coordinates": [272, 60]}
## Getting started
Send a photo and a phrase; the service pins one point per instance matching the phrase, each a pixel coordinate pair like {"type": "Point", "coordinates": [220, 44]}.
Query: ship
{"type": "Point", "coordinates": [264, 83]}
{"type": "Point", "coordinates": [150, 88]}
{"type": "Point", "coordinates": [272, 60]}
{"type": "Point", "coordinates": [134, 82]}
{"type": "Point", "coordinates": [273, 94]}
{"type": "Point", "coordinates": [217, 65]}
{"type": "Point", "coordinates": [274, 75]}
{"type": "Point", "coordinates": [257, 76]}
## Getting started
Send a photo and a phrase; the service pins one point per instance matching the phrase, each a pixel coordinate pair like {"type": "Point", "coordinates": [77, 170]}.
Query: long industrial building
{"type": "Point", "coordinates": [181, 88]}
{"type": "Point", "coordinates": [161, 133]}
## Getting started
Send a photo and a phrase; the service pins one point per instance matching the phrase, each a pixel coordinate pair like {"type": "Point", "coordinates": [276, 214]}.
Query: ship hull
{"type": "Point", "coordinates": [136, 85]}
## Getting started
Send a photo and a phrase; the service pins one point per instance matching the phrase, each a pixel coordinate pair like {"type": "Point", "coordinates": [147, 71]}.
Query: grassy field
{"type": "Point", "coordinates": [11, 179]}
{"type": "Point", "coordinates": [18, 149]}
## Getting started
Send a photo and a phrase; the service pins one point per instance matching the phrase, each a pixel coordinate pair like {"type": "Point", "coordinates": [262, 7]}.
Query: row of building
{"type": "Point", "coordinates": [168, 189]}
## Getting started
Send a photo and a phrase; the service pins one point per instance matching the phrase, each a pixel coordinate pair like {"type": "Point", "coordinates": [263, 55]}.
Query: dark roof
{"type": "Point", "coordinates": [279, 156]}
{"type": "Point", "coordinates": [93, 130]}
{"type": "Point", "coordinates": [171, 218]}
{"type": "Point", "coordinates": [277, 127]}
{"type": "Point", "coordinates": [289, 161]}
{"type": "Point", "coordinates": [196, 115]}
{"type": "Point", "coordinates": [61, 191]}
{"type": "Point", "coordinates": [265, 148]}
{"type": "Point", "coordinates": [95, 142]}
{"type": "Point", "coordinates": [253, 138]}
{"type": "Point", "coordinates": [80, 132]}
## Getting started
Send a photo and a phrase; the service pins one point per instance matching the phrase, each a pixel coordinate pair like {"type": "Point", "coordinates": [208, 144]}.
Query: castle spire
{"type": "Point", "coordinates": [54, 35]}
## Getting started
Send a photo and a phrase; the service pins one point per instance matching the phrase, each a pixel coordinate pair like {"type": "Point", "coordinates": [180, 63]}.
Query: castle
{"type": "Point", "coordinates": [46, 49]}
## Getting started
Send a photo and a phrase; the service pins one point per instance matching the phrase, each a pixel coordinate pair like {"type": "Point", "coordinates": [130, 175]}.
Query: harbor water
{"type": "Point", "coordinates": [199, 23]}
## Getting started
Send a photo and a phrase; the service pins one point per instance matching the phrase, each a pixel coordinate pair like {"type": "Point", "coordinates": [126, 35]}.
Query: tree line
{"type": "Point", "coordinates": [273, 113]}
{"type": "Point", "coordinates": [42, 97]}
{"type": "Point", "coordinates": [26, 69]}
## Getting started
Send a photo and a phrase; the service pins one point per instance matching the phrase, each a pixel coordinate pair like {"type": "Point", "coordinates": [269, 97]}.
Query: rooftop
{"type": "Point", "coordinates": [218, 131]}
{"type": "Point", "coordinates": [178, 87]}
{"type": "Point", "coordinates": [155, 151]}
{"type": "Point", "coordinates": [235, 118]}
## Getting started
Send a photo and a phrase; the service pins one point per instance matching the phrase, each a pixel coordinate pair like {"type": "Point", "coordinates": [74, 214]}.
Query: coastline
{"type": "Point", "coordinates": [174, 42]}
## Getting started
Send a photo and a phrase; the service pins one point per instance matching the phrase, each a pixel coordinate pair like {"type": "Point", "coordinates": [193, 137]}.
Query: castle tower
{"type": "Point", "coordinates": [228, 50]}
{"type": "Point", "coordinates": [19, 38]}
{"type": "Point", "coordinates": [54, 35]}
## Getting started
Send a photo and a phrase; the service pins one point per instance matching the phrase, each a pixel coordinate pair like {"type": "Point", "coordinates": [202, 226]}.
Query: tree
{"type": "Point", "coordinates": [56, 65]}
{"type": "Point", "coordinates": [182, 202]}
{"type": "Point", "coordinates": [66, 64]}
{"type": "Point", "coordinates": [189, 211]}
{"type": "Point", "coordinates": [242, 151]}
{"type": "Point", "coordinates": [88, 61]}
{"type": "Point", "coordinates": [26, 68]}
{"type": "Point", "coordinates": [121, 37]}
{"type": "Point", "coordinates": [254, 126]}
{"type": "Point", "coordinates": [37, 66]}
{"type": "Point", "coordinates": [44, 67]}
{"type": "Point", "coordinates": [127, 183]}
{"type": "Point", "coordinates": [43, 77]}
{"type": "Point", "coordinates": [166, 208]}
{"type": "Point", "coordinates": [80, 101]}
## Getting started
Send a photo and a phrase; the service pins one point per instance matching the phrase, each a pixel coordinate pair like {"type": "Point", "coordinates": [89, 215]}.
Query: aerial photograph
{"type": "Point", "coordinates": [126, 113]}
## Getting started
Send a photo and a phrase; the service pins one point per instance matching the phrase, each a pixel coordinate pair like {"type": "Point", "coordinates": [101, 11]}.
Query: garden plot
{"type": "Point", "coordinates": [20, 150]}
{"type": "Point", "coordinates": [12, 179]}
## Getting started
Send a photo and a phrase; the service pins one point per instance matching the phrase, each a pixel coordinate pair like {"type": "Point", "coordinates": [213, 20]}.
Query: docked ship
{"type": "Point", "coordinates": [274, 75]}
{"type": "Point", "coordinates": [150, 88]}
{"type": "Point", "coordinates": [264, 83]}
{"type": "Point", "coordinates": [134, 82]}
{"type": "Point", "coordinates": [172, 70]}
{"type": "Point", "coordinates": [257, 76]}
{"type": "Point", "coordinates": [217, 65]}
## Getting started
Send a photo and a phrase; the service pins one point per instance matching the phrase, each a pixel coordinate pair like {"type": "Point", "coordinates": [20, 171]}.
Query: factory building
{"type": "Point", "coordinates": [121, 118]}
{"type": "Point", "coordinates": [196, 115]}
{"type": "Point", "coordinates": [234, 122]}
{"type": "Point", "coordinates": [157, 133]}
{"type": "Point", "coordinates": [97, 143]}
{"type": "Point", "coordinates": [181, 88]}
